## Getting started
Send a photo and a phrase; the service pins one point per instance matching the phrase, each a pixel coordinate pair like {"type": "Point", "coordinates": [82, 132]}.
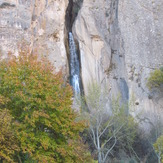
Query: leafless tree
{"type": "Point", "coordinates": [105, 128]}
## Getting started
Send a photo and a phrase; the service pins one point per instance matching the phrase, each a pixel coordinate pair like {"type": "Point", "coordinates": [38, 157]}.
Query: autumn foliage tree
{"type": "Point", "coordinates": [40, 103]}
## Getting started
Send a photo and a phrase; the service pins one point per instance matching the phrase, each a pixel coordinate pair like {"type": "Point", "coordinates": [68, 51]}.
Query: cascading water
{"type": "Point", "coordinates": [74, 66]}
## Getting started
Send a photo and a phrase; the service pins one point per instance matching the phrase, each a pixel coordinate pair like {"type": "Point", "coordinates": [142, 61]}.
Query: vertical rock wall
{"type": "Point", "coordinates": [120, 43]}
{"type": "Point", "coordinates": [39, 23]}
{"type": "Point", "coordinates": [15, 22]}
{"type": "Point", "coordinates": [141, 26]}
{"type": "Point", "coordinates": [102, 54]}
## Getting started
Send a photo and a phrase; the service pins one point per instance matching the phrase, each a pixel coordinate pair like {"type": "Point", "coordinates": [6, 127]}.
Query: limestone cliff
{"type": "Point", "coordinates": [120, 43]}
{"type": "Point", "coordinates": [38, 23]}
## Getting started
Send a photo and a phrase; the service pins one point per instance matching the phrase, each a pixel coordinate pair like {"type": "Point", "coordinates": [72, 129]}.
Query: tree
{"type": "Point", "coordinates": [40, 103]}
{"type": "Point", "coordinates": [155, 81]}
{"type": "Point", "coordinates": [107, 131]}
{"type": "Point", "coordinates": [156, 136]}
{"type": "Point", "coordinates": [158, 146]}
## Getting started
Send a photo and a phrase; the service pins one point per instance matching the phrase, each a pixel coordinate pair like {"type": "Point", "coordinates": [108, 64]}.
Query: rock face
{"type": "Point", "coordinates": [121, 42]}
{"type": "Point", "coordinates": [38, 23]}
{"type": "Point", "coordinates": [142, 32]}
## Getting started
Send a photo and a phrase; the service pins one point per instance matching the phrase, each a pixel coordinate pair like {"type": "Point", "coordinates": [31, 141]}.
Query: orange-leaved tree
{"type": "Point", "coordinates": [40, 103]}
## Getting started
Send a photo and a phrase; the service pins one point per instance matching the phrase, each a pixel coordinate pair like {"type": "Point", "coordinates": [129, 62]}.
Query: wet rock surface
{"type": "Point", "coordinates": [120, 44]}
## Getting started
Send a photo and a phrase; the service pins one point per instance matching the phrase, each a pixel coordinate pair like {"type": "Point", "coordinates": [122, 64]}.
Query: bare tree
{"type": "Point", "coordinates": [106, 129]}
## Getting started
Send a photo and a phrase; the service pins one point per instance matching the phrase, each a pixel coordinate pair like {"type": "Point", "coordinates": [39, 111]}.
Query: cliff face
{"type": "Point", "coordinates": [120, 42]}
{"type": "Point", "coordinates": [142, 33]}
{"type": "Point", "coordinates": [38, 23]}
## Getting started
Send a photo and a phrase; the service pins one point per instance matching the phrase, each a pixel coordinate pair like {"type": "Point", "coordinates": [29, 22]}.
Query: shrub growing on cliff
{"type": "Point", "coordinates": [108, 132]}
{"type": "Point", "coordinates": [8, 142]}
{"type": "Point", "coordinates": [40, 103]}
{"type": "Point", "coordinates": [156, 78]}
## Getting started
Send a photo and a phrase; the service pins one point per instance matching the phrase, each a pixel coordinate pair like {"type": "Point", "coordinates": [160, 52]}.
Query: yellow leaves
{"type": "Point", "coordinates": [3, 100]}
{"type": "Point", "coordinates": [8, 141]}
{"type": "Point", "coordinates": [62, 151]}
{"type": "Point", "coordinates": [80, 150]}
{"type": "Point", "coordinates": [37, 114]}
{"type": "Point", "coordinates": [155, 79]}
{"type": "Point", "coordinates": [45, 143]}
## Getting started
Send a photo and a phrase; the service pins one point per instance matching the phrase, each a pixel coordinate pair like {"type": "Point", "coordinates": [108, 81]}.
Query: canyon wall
{"type": "Point", "coordinates": [38, 23]}
{"type": "Point", "coordinates": [120, 42]}
{"type": "Point", "coordinates": [141, 27]}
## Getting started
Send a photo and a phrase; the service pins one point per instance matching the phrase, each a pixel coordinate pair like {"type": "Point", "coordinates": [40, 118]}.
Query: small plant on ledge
{"type": "Point", "coordinates": [156, 79]}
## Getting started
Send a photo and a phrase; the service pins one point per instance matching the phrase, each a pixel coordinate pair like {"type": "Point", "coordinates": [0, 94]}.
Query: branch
{"type": "Point", "coordinates": [94, 137]}
{"type": "Point", "coordinates": [107, 141]}
{"type": "Point", "coordinates": [135, 153]}
{"type": "Point", "coordinates": [100, 121]}
{"type": "Point", "coordinates": [106, 155]}
{"type": "Point", "coordinates": [19, 159]}
{"type": "Point", "coordinates": [108, 125]}
{"type": "Point", "coordinates": [114, 133]}
{"type": "Point", "coordinates": [4, 116]}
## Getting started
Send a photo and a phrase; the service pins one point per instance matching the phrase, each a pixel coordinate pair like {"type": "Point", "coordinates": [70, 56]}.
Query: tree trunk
{"type": "Point", "coordinates": [99, 157]}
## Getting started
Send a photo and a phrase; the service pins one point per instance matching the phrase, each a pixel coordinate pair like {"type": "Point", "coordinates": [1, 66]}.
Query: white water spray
{"type": "Point", "coordinates": [74, 66]}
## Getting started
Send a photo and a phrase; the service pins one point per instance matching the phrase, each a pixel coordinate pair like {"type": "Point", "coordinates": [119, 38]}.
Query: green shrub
{"type": "Point", "coordinates": [156, 79]}
{"type": "Point", "coordinates": [40, 103]}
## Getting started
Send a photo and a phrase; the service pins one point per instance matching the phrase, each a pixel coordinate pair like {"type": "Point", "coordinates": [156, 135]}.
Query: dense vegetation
{"type": "Point", "coordinates": [37, 123]}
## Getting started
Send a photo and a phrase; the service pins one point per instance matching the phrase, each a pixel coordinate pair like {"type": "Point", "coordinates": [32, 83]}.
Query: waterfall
{"type": "Point", "coordinates": [74, 66]}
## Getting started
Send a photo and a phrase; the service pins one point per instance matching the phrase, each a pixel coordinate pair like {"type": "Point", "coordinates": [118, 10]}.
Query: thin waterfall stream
{"type": "Point", "coordinates": [74, 66]}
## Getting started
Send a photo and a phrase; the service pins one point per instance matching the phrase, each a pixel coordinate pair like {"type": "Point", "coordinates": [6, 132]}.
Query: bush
{"type": "Point", "coordinates": [108, 133]}
{"type": "Point", "coordinates": [40, 103]}
{"type": "Point", "coordinates": [156, 79]}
